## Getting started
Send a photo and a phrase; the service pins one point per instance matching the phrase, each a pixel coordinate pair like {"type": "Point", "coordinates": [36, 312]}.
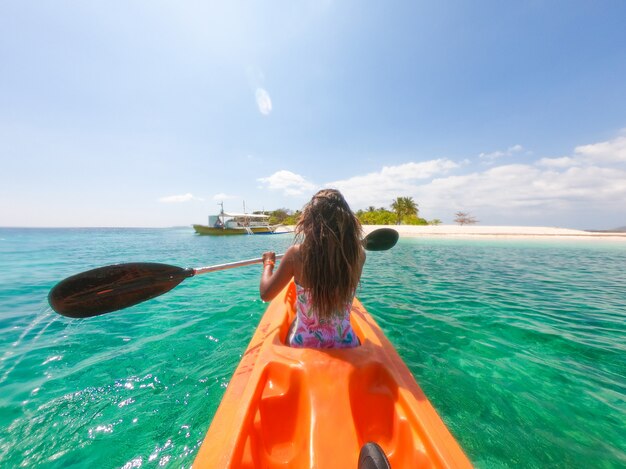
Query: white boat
{"type": "Point", "coordinates": [236, 223]}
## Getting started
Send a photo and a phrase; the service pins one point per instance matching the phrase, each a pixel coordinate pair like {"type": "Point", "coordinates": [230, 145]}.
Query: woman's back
{"type": "Point", "coordinates": [309, 330]}
{"type": "Point", "coordinates": [326, 266]}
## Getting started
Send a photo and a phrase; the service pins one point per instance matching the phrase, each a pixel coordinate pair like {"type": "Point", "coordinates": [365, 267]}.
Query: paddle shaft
{"type": "Point", "coordinates": [230, 265]}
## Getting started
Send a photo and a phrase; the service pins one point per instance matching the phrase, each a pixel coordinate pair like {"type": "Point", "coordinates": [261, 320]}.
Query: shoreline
{"type": "Point", "coordinates": [473, 231]}
{"type": "Point", "coordinates": [499, 232]}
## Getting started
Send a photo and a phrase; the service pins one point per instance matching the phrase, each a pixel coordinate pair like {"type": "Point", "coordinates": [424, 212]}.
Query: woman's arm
{"type": "Point", "coordinates": [273, 282]}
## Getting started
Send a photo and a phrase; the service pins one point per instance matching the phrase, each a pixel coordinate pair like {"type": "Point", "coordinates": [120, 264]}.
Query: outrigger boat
{"type": "Point", "coordinates": [235, 224]}
{"type": "Point", "coordinates": [307, 408]}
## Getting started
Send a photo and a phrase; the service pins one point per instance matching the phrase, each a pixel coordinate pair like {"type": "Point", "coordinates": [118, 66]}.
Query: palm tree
{"type": "Point", "coordinates": [404, 206]}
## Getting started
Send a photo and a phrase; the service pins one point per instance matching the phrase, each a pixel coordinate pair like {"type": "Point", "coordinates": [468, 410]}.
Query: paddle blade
{"type": "Point", "coordinates": [113, 287]}
{"type": "Point", "coordinates": [381, 239]}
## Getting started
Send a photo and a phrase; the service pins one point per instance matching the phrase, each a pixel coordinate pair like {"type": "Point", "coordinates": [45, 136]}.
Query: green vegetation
{"type": "Point", "coordinates": [376, 216]}
{"type": "Point", "coordinates": [283, 216]}
{"type": "Point", "coordinates": [403, 211]}
{"type": "Point", "coordinates": [404, 207]}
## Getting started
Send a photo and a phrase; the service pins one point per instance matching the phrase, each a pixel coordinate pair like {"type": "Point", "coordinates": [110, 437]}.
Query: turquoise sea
{"type": "Point", "coordinates": [520, 346]}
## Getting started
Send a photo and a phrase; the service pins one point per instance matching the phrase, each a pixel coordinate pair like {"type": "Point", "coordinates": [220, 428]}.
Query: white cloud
{"type": "Point", "coordinates": [380, 188]}
{"type": "Point", "coordinates": [179, 198]}
{"type": "Point", "coordinates": [490, 157]}
{"type": "Point", "coordinates": [288, 182]}
{"type": "Point", "coordinates": [585, 189]}
{"type": "Point", "coordinates": [611, 151]}
{"type": "Point", "coordinates": [573, 190]}
{"type": "Point", "coordinates": [514, 186]}
{"type": "Point", "coordinates": [562, 162]}
{"type": "Point", "coordinates": [424, 170]}
{"type": "Point", "coordinates": [263, 101]}
{"type": "Point", "coordinates": [535, 193]}
{"type": "Point", "coordinates": [222, 196]}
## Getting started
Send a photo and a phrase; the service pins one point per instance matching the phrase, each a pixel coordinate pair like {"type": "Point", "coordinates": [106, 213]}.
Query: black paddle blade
{"type": "Point", "coordinates": [381, 239]}
{"type": "Point", "coordinates": [114, 287]}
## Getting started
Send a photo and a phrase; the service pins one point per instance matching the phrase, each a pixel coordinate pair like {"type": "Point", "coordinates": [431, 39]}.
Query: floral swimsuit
{"type": "Point", "coordinates": [309, 331]}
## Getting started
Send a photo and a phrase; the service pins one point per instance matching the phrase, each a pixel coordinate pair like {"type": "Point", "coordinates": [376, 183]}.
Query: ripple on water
{"type": "Point", "coordinates": [513, 345]}
{"type": "Point", "coordinates": [518, 345]}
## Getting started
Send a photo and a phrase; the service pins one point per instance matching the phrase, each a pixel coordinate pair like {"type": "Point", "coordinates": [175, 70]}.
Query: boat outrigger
{"type": "Point", "coordinates": [236, 223]}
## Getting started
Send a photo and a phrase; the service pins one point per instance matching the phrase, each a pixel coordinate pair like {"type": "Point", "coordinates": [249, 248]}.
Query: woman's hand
{"type": "Point", "coordinates": [272, 282]}
{"type": "Point", "coordinates": [269, 258]}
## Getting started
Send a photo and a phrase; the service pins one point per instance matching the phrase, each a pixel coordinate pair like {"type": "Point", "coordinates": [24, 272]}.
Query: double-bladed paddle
{"type": "Point", "coordinates": [113, 287]}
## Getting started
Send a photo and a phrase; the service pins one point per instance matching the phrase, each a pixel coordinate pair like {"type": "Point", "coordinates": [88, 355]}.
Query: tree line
{"type": "Point", "coordinates": [402, 211]}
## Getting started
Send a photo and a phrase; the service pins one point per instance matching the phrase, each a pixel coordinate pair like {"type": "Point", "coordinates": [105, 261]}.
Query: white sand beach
{"type": "Point", "coordinates": [481, 232]}
{"type": "Point", "coordinates": [478, 231]}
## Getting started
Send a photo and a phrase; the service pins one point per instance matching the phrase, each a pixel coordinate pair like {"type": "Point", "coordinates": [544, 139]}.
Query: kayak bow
{"type": "Point", "coordinates": [292, 407]}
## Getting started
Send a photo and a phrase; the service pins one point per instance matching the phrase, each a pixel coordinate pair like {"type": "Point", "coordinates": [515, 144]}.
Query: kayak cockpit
{"type": "Point", "coordinates": [291, 407]}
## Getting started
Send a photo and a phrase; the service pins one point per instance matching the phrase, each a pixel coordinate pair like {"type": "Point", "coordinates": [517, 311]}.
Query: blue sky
{"type": "Point", "coordinates": [151, 113]}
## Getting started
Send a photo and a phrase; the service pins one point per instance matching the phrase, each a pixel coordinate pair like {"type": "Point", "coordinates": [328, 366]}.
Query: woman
{"type": "Point", "coordinates": [326, 266]}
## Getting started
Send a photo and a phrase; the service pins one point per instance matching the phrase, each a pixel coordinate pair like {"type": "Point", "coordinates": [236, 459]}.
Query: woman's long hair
{"type": "Point", "coordinates": [331, 251]}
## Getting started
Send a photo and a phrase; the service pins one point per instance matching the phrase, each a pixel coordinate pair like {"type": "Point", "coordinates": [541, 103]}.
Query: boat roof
{"type": "Point", "coordinates": [247, 215]}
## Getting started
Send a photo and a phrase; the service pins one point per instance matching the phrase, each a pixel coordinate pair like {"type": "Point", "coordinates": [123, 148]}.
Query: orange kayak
{"type": "Point", "coordinates": [289, 407]}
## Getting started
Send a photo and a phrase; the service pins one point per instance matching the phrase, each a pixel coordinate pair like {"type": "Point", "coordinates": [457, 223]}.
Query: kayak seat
{"type": "Point", "coordinates": [381, 413]}
{"type": "Point", "coordinates": [280, 431]}
{"type": "Point", "coordinates": [373, 395]}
